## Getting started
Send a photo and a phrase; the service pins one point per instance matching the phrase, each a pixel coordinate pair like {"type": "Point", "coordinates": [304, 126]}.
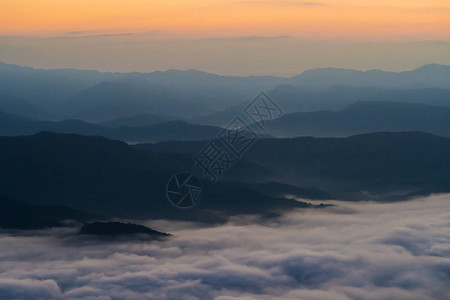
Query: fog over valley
{"type": "Point", "coordinates": [341, 252]}
{"type": "Point", "coordinates": [225, 150]}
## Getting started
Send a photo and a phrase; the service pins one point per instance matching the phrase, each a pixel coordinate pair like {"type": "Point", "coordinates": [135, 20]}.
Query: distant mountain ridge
{"type": "Point", "coordinates": [12, 125]}
{"type": "Point", "coordinates": [358, 118]}
{"type": "Point", "coordinates": [295, 99]}
{"type": "Point", "coordinates": [97, 97]}
{"type": "Point", "coordinates": [137, 121]}
{"type": "Point", "coordinates": [14, 105]}
{"type": "Point", "coordinates": [108, 100]}
{"type": "Point", "coordinates": [364, 117]}
{"type": "Point", "coordinates": [426, 76]}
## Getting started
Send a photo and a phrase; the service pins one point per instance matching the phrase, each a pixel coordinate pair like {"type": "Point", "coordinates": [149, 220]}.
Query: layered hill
{"type": "Point", "coordinates": [394, 165]}
{"type": "Point", "coordinates": [364, 117]}
{"type": "Point", "coordinates": [12, 125]}
{"type": "Point", "coordinates": [113, 179]}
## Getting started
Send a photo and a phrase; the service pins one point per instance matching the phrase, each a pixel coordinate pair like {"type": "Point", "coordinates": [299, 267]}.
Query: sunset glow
{"type": "Point", "coordinates": [350, 19]}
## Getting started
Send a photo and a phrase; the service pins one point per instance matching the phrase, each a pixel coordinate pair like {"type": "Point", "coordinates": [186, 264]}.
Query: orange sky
{"type": "Point", "coordinates": [368, 19]}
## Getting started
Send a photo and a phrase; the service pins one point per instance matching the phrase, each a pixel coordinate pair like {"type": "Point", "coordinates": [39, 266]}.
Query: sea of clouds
{"type": "Point", "coordinates": [349, 251]}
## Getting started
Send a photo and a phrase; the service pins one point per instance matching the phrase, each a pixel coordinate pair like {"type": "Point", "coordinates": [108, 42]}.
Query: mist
{"type": "Point", "coordinates": [361, 250]}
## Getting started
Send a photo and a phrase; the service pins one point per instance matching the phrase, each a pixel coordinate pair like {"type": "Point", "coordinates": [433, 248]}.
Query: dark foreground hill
{"type": "Point", "coordinates": [401, 164]}
{"type": "Point", "coordinates": [113, 179]}
{"type": "Point", "coordinates": [20, 215]}
{"type": "Point", "coordinates": [119, 229]}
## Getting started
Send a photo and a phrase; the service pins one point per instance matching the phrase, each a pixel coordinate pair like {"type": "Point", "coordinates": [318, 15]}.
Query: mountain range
{"type": "Point", "coordinates": [292, 99]}
{"type": "Point", "coordinates": [357, 118]}
{"type": "Point", "coordinates": [138, 120]}
{"type": "Point", "coordinates": [369, 166]}
{"type": "Point", "coordinates": [81, 176]}
{"type": "Point", "coordinates": [11, 125]}
{"type": "Point", "coordinates": [98, 97]}
{"type": "Point", "coordinates": [427, 76]}
{"type": "Point", "coordinates": [109, 178]}
{"type": "Point", "coordinates": [66, 135]}
{"type": "Point", "coordinates": [364, 117]}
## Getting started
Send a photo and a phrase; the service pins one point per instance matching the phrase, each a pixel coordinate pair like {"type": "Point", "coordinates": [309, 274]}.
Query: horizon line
{"type": "Point", "coordinates": [216, 74]}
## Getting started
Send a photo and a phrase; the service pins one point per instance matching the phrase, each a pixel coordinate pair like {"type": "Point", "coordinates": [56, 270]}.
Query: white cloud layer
{"type": "Point", "coordinates": [351, 251]}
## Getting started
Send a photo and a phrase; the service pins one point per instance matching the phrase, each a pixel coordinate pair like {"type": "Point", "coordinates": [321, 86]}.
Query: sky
{"type": "Point", "coordinates": [352, 251]}
{"type": "Point", "coordinates": [240, 37]}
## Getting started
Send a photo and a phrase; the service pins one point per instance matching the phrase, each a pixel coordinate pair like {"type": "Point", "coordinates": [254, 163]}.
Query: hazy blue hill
{"type": "Point", "coordinates": [59, 90]}
{"type": "Point", "coordinates": [296, 99]}
{"type": "Point", "coordinates": [172, 130]}
{"type": "Point", "coordinates": [96, 96]}
{"type": "Point", "coordinates": [364, 117]}
{"type": "Point", "coordinates": [439, 97]}
{"type": "Point", "coordinates": [137, 121]}
{"type": "Point", "coordinates": [221, 118]}
{"type": "Point", "coordinates": [328, 77]}
{"type": "Point", "coordinates": [109, 100]}
{"type": "Point", "coordinates": [428, 76]}
{"type": "Point", "coordinates": [14, 105]}
{"type": "Point", "coordinates": [185, 147]}
{"type": "Point", "coordinates": [48, 87]}
{"type": "Point", "coordinates": [11, 125]}
{"type": "Point", "coordinates": [211, 91]}
{"type": "Point", "coordinates": [71, 126]}
{"type": "Point", "coordinates": [181, 94]}
{"type": "Point", "coordinates": [291, 99]}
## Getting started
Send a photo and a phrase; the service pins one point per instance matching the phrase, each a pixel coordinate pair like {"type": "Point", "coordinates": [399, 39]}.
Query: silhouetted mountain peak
{"type": "Point", "coordinates": [433, 68]}
{"type": "Point", "coordinates": [119, 228]}
{"type": "Point", "coordinates": [327, 72]}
